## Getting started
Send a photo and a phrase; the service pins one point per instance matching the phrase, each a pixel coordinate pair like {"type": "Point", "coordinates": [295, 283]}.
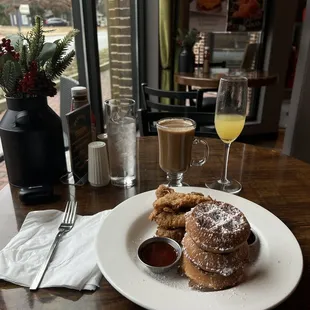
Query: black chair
{"type": "Point", "coordinates": [221, 64]}
{"type": "Point", "coordinates": [153, 111]}
{"type": "Point", "coordinates": [195, 99]}
{"type": "Point", "coordinates": [148, 119]}
{"type": "Point", "coordinates": [208, 104]}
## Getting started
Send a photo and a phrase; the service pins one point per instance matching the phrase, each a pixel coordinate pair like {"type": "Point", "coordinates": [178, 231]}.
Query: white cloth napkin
{"type": "Point", "coordinates": [74, 263]}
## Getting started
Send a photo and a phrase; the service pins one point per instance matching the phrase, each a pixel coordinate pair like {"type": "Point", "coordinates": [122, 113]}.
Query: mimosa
{"type": "Point", "coordinates": [230, 111]}
{"type": "Point", "coordinates": [229, 126]}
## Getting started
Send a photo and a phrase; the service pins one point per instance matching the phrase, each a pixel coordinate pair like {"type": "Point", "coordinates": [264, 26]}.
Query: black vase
{"type": "Point", "coordinates": [32, 140]}
{"type": "Point", "coordinates": [187, 60]}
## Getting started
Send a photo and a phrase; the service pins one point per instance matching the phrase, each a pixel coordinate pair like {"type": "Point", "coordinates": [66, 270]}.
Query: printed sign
{"type": "Point", "coordinates": [208, 15]}
{"type": "Point", "coordinates": [24, 9]}
{"type": "Point", "coordinates": [245, 15]}
{"type": "Point", "coordinates": [208, 5]}
{"type": "Point", "coordinates": [79, 138]}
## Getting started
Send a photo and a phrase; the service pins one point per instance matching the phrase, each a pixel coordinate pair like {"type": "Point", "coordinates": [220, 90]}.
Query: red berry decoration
{"type": "Point", "coordinates": [32, 77]}
{"type": "Point", "coordinates": [6, 48]}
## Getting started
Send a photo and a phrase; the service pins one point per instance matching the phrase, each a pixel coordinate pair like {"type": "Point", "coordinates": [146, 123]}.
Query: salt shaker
{"type": "Point", "coordinates": [98, 165]}
{"type": "Point", "coordinates": [103, 137]}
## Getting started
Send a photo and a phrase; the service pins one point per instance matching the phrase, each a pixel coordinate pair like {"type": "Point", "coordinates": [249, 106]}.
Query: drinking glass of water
{"type": "Point", "coordinates": [230, 113]}
{"type": "Point", "coordinates": [121, 130]}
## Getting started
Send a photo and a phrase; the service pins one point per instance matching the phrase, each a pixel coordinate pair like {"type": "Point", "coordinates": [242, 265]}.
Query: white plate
{"type": "Point", "coordinates": [270, 279]}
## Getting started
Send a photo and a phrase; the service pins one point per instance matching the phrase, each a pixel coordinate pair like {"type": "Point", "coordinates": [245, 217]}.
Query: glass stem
{"type": "Point", "coordinates": [174, 179]}
{"type": "Point", "coordinates": [224, 179]}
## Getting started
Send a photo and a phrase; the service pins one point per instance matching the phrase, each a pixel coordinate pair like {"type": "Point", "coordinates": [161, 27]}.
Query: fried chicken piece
{"type": "Point", "coordinates": [163, 190]}
{"type": "Point", "coordinates": [153, 215]}
{"type": "Point", "coordinates": [170, 220]}
{"type": "Point", "coordinates": [175, 234]}
{"type": "Point", "coordinates": [179, 201]}
{"type": "Point", "coordinates": [196, 193]}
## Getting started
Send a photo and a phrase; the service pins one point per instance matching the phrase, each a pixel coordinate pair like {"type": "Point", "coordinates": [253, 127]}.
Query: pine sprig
{"type": "Point", "coordinates": [188, 39]}
{"type": "Point", "coordinates": [18, 45]}
{"type": "Point", "coordinates": [36, 39]}
{"type": "Point", "coordinates": [2, 83]}
{"type": "Point", "coordinates": [9, 77]}
{"type": "Point", "coordinates": [28, 64]}
{"type": "Point", "coordinates": [25, 38]}
{"type": "Point", "coordinates": [24, 59]}
{"type": "Point", "coordinates": [62, 65]}
{"type": "Point", "coordinates": [60, 52]}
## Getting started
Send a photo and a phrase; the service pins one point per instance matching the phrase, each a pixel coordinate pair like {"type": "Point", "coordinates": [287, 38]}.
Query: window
{"type": "Point", "coordinates": [120, 47]}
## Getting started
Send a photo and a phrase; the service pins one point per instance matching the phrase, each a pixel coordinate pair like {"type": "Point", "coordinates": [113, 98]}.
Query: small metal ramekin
{"type": "Point", "coordinates": [254, 247]}
{"type": "Point", "coordinates": [172, 242]}
{"type": "Point", "coordinates": [255, 238]}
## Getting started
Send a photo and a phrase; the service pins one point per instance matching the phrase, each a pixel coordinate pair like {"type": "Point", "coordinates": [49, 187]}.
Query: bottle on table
{"type": "Point", "coordinates": [79, 97]}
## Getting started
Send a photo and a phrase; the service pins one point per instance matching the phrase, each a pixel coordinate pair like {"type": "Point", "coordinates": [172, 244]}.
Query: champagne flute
{"type": "Point", "coordinates": [230, 113]}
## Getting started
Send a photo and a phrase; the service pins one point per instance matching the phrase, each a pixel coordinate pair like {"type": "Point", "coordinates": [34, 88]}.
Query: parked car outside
{"type": "Point", "coordinates": [56, 21]}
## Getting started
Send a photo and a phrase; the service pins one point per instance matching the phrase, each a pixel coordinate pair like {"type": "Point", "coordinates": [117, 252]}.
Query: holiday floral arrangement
{"type": "Point", "coordinates": [28, 64]}
{"type": "Point", "coordinates": [188, 39]}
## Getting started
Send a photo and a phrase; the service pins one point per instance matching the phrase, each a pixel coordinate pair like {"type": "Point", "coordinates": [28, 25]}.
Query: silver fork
{"type": "Point", "coordinates": [65, 226]}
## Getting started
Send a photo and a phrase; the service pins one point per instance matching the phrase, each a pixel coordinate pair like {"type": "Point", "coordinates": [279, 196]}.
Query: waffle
{"type": "Point", "coordinates": [223, 264]}
{"type": "Point", "coordinates": [217, 227]}
{"type": "Point", "coordinates": [202, 280]}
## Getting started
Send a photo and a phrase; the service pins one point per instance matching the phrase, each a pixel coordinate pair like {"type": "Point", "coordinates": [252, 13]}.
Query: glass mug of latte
{"type": "Point", "coordinates": [176, 138]}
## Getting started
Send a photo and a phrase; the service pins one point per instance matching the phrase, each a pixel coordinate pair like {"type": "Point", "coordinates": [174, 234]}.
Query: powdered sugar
{"type": "Point", "coordinates": [219, 216]}
{"type": "Point", "coordinates": [217, 226]}
{"type": "Point", "coordinates": [172, 278]}
{"type": "Point", "coordinates": [223, 264]}
{"type": "Point", "coordinates": [213, 227]}
{"type": "Point", "coordinates": [224, 271]}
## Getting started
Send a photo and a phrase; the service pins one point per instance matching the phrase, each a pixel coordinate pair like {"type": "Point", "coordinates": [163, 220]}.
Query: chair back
{"type": "Point", "coordinates": [152, 111]}
{"type": "Point", "coordinates": [221, 64]}
{"type": "Point", "coordinates": [204, 122]}
{"type": "Point", "coordinates": [195, 99]}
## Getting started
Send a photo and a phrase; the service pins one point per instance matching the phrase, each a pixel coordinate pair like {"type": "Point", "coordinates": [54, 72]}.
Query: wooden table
{"type": "Point", "coordinates": [212, 79]}
{"type": "Point", "coordinates": [279, 183]}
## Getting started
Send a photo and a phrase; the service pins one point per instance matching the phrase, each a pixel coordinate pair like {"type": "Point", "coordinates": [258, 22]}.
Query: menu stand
{"type": "Point", "coordinates": [79, 128]}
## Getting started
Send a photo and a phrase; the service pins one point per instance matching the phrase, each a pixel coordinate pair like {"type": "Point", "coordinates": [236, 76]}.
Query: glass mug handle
{"type": "Point", "coordinates": [200, 162]}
